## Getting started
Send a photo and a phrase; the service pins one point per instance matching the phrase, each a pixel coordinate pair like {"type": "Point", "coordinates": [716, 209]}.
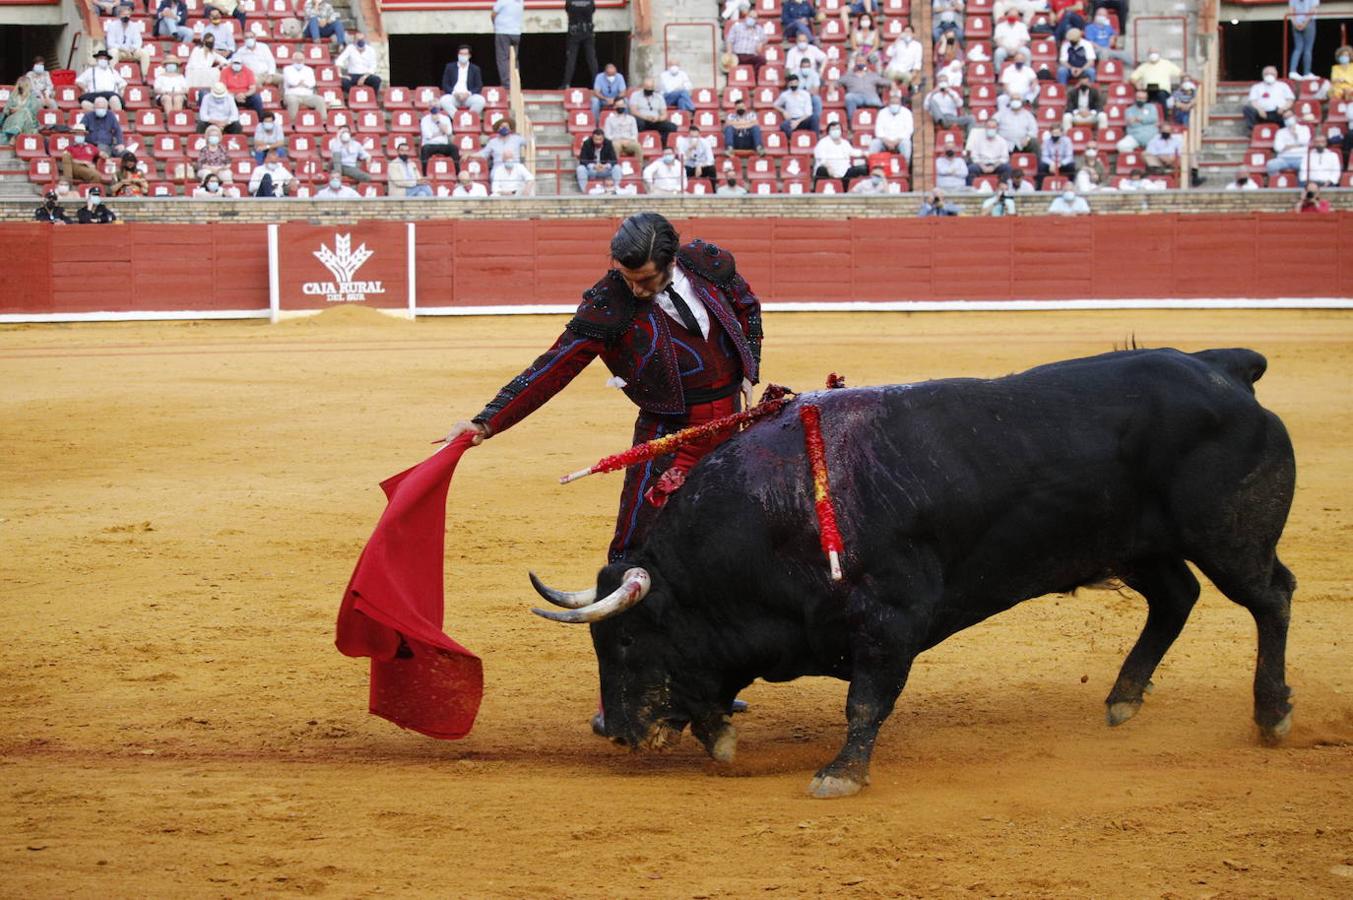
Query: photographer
{"type": "Point", "coordinates": [933, 205]}
{"type": "Point", "coordinates": [1311, 201]}
{"type": "Point", "coordinates": [1001, 203]}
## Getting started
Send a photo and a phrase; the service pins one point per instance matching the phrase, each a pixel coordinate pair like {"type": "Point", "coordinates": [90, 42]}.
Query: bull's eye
{"type": "Point", "coordinates": [626, 642]}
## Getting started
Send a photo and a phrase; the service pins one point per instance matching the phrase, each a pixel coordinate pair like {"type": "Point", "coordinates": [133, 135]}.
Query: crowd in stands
{"type": "Point", "coordinates": [821, 96]}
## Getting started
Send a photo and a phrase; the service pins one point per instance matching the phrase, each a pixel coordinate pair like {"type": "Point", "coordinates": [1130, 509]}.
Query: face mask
{"type": "Point", "coordinates": [949, 152]}
{"type": "Point", "coordinates": [742, 111]}
{"type": "Point", "coordinates": [648, 92]}
{"type": "Point", "coordinates": [40, 68]}
{"type": "Point", "coordinates": [1343, 61]}
{"type": "Point", "coordinates": [1241, 179]}
{"type": "Point", "coordinates": [465, 57]}
{"type": "Point", "coordinates": [673, 69]}
{"type": "Point", "coordinates": [125, 19]}
{"type": "Point", "coordinates": [991, 133]}
{"type": "Point", "coordinates": [668, 157]}
{"type": "Point", "coordinates": [213, 140]}
{"type": "Point", "coordinates": [361, 45]}
{"type": "Point", "coordinates": [1141, 103]}
{"type": "Point", "coordinates": [1019, 64]}
{"type": "Point", "coordinates": [171, 70]}
{"type": "Point", "coordinates": [79, 139]}
{"type": "Point", "coordinates": [834, 132]}
{"type": "Point", "coordinates": [213, 186]}
{"type": "Point", "coordinates": [1103, 21]}
{"type": "Point", "coordinates": [344, 137]}
{"type": "Point", "coordinates": [1269, 79]}
{"type": "Point", "coordinates": [51, 203]}
{"type": "Point", "coordinates": [802, 45]}
{"type": "Point", "coordinates": [732, 182]}
{"type": "Point", "coordinates": [403, 154]}
{"type": "Point", "coordinates": [272, 165]}
{"type": "Point", "coordinates": [103, 64]}
{"type": "Point", "coordinates": [1091, 153]}
{"type": "Point", "coordinates": [620, 110]}
{"type": "Point", "coordinates": [335, 183]}
{"type": "Point", "coordinates": [1016, 104]}
{"type": "Point", "coordinates": [894, 108]}
{"type": "Point", "coordinates": [906, 39]}
{"type": "Point", "coordinates": [1289, 122]}
{"type": "Point", "coordinates": [1012, 19]}
{"type": "Point", "coordinates": [250, 42]}
{"type": "Point", "coordinates": [864, 24]}
{"type": "Point", "coordinates": [1187, 86]}
{"type": "Point", "coordinates": [100, 113]}
{"type": "Point", "coordinates": [504, 131]}
{"type": "Point", "coordinates": [877, 179]}
{"type": "Point", "coordinates": [267, 123]}
{"type": "Point", "coordinates": [1068, 196]}
{"type": "Point", "coordinates": [236, 66]}
{"type": "Point", "coordinates": [209, 44]}
{"type": "Point", "coordinates": [1153, 57]}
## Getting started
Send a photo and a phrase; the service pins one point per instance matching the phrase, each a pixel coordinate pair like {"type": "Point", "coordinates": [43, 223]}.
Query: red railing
{"type": "Point", "coordinates": [485, 5]}
{"type": "Point", "coordinates": [713, 46]}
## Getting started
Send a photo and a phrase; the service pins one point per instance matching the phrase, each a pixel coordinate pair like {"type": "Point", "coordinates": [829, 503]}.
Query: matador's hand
{"type": "Point", "coordinates": [460, 428]}
{"type": "Point", "coordinates": [746, 394]}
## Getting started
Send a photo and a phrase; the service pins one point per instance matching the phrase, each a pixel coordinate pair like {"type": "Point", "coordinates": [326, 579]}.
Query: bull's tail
{"type": "Point", "coordinates": [1245, 367]}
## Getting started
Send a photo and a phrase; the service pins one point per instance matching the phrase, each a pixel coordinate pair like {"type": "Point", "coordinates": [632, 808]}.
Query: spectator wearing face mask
{"type": "Point", "coordinates": [1009, 37]}
{"type": "Point", "coordinates": [101, 80]}
{"type": "Point", "coordinates": [511, 179]}
{"type": "Point", "coordinates": [405, 180]}
{"type": "Point", "coordinates": [229, 8]}
{"type": "Point", "coordinates": [811, 82]}
{"type": "Point", "coordinates": [359, 62]}
{"type": "Point", "coordinates": [622, 130]}
{"type": "Point", "coordinates": [947, 18]}
{"type": "Point", "coordinates": [934, 204]}
{"type": "Point", "coordinates": [1156, 76]}
{"type": "Point", "coordinates": [467, 187]}
{"type": "Point", "coordinates": [1138, 182]}
{"type": "Point", "coordinates": [269, 135]}
{"type": "Point", "coordinates": [321, 22]}
{"type": "Point", "coordinates": [1056, 157]}
{"type": "Point", "coordinates": [1084, 107]}
{"type": "Point", "coordinates": [1341, 75]}
{"type": "Point", "coordinates": [1118, 6]}
{"type": "Point", "coordinates": [1068, 203]}
{"type": "Point", "coordinates": [242, 86]}
{"type": "Point", "coordinates": [696, 151]}
{"type": "Point", "coordinates": [608, 90]}
{"type": "Point", "coordinates": [676, 88]}
{"type": "Point", "coordinates": [51, 211]}
{"type": "Point", "coordinates": [103, 130]}
{"type": "Point", "coordinates": [1092, 176]}
{"type": "Point", "coordinates": [893, 128]}
{"type": "Point", "coordinates": [80, 160]}
{"type": "Point", "coordinates": [1019, 184]}
{"type": "Point", "coordinates": [437, 137]}
{"type": "Point", "coordinates": [505, 141]}
{"type": "Point", "coordinates": [742, 131]}
{"type": "Point", "coordinates": [802, 49]}
{"type": "Point", "coordinates": [864, 41]}
{"type": "Point", "coordinates": [945, 106]}
{"type": "Point", "coordinates": [1242, 182]}
{"type": "Point", "coordinates": [212, 156]}
{"type": "Point", "coordinates": [218, 108]}
{"type": "Point", "coordinates": [348, 155]}
{"type": "Point", "coordinates": [130, 180]}
{"type": "Point", "coordinates": [905, 59]}
{"type": "Point", "coordinates": [40, 83]}
{"type": "Point", "coordinates": [336, 190]}
{"type": "Point", "coordinates": [1019, 79]}
{"type": "Point", "coordinates": [951, 170]}
{"type": "Point", "coordinates": [462, 84]}
{"type": "Point", "coordinates": [1077, 57]}
{"type": "Point", "coordinates": [209, 189]}
{"type": "Point", "coordinates": [218, 29]}
{"type": "Point", "coordinates": [597, 159]}
{"type": "Point", "coordinates": [124, 39]}
{"type": "Point", "coordinates": [20, 114]}
{"type": "Point", "coordinates": [1161, 154]}
{"type": "Point", "coordinates": [1268, 101]}
{"type": "Point", "coordinates": [796, 107]}
{"type": "Point", "coordinates": [1183, 101]}
{"type": "Point", "coordinates": [170, 87]}
{"type": "Point", "coordinates": [650, 110]}
{"type": "Point", "coordinates": [1321, 165]}
{"type": "Point", "coordinates": [257, 58]}
{"type": "Point", "coordinates": [834, 157]}
{"type": "Point", "coordinates": [171, 21]}
{"type": "Point", "coordinates": [796, 20]}
{"type": "Point", "coordinates": [861, 88]}
{"type": "Point", "coordinates": [298, 89]}
{"type": "Point", "coordinates": [95, 211]}
{"type": "Point", "coordinates": [1141, 122]}
{"type": "Point", "coordinates": [204, 64]}
{"type": "Point", "coordinates": [272, 179]}
{"type": "Point", "coordinates": [745, 41]}
{"type": "Point", "coordinates": [729, 186]}
{"type": "Point", "coordinates": [876, 183]}
{"type": "Point", "coordinates": [1290, 144]}
{"type": "Point", "coordinates": [988, 153]}
{"type": "Point", "coordinates": [1018, 126]}
{"type": "Point", "coordinates": [665, 175]}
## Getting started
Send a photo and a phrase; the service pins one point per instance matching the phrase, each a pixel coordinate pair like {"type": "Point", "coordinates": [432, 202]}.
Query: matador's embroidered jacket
{"type": "Point", "coordinates": [634, 339]}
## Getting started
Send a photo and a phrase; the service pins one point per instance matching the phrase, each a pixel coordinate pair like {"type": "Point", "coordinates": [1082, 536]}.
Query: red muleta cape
{"type": "Point", "coordinates": [396, 590]}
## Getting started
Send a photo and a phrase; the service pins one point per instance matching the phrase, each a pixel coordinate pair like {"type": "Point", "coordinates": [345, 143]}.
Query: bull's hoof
{"type": "Point", "coordinates": [1272, 737]}
{"type": "Point", "coordinates": [725, 746]}
{"type": "Point", "coordinates": [830, 787]}
{"type": "Point", "coordinates": [1120, 712]}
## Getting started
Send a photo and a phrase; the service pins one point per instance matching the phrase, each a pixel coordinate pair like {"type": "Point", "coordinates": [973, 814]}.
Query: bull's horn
{"type": "Point", "coordinates": [566, 599]}
{"type": "Point", "coordinates": [633, 589]}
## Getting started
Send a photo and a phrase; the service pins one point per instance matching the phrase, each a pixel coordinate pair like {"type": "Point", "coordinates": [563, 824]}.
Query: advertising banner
{"type": "Point", "coordinates": [323, 266]}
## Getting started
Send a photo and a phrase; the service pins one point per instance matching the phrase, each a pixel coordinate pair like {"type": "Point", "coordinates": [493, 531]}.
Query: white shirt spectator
{"type": "Point", "coordinates": [1249, 184]}
{"type": "Point", "coordinates": [663, 177]}
{"type": "Point", "coordinates": [268, 134]}
{"type": "Point", "coordinates": [510, 179]}
{"type": "Point", "coordinates": [1269, 97]}
{"type": "Point", "coordinates": [952, 72]}
{"type": "Point", "coordinates": [904, 57]}
{"type": "Point", "coordinates": [279, 173]}
{"type": "Point", "coordinates": [795, 105]}
{"type": "Point", "coordinates": [1062, 206]}
{"type": "Point", "coordinates": [1322, 166]}
{"type": "Point", "coordinates": [1017, 126]}
{"type": "Point", "coordinates": [224, 36]}
{"type": "Point", "coordinates": [342, 192]}
{"type": "Point", "coordinates": [893, 126]}
{"type": "Point", "coordinates": [435, 128]}
{"type": "Point", "coordinates": [299, 80]}
{"type": "Point", "coordinates": [1019, 81]}
{"type": "Point", "coordinates": [349, 153]}
{"type": "Point", "coordinates": [944, 103]}
{"type": "Point", "coordinates": [835, 155]}
{"type": "Point", "coordinates": [462, 85]}
{"type": "Point", "coordinates": [216, 109]}
{"type": "Point", "coordinates": [804, 51]}
{"type": "Point", "coordinates": [1165, 146]}
{"type": "Point", "coordinates": [117, 36]}
{"type": "Point", "coordinates": [621, 128]}
{"type": "Point", "coordinates": [696, 152]}
{"type": "Point", "coordinates": [809, 78]}
{"type": "Point", "coordinates": [98, 80]}
{"type": "Point", "coordinates": [1292, 140]}
{"type": "Point", "coordinates": [1089, 49]}
{"type": "Point", "coordinates": [356, 61]}
{"type": "Point", "coordinates": [1012, 36]}
{"type": "Point", "coordinates": [951, 173]}
{"type": "Point", "coordinates": [169, 84]}
{"type": "Point", "coordinates": [985, 150]}
{"type": "Point", "coordinates": [258, 58]}
{"type": "Point", "coordinates": [473, 189]}
{"type": "Point", "coordinates": [1144, 184]}
{"type": "Point", "coordinates": [670, 81]}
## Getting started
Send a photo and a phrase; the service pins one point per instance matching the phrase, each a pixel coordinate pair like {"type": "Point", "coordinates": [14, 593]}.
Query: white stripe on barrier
{"type": "Point", "coordinates": [274, 282]}
{"type": "Point", "coordinates": [165, 315]}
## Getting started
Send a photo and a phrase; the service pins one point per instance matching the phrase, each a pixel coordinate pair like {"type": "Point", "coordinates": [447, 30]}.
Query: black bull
{"type": "Point", "coordinates": [956, 499]}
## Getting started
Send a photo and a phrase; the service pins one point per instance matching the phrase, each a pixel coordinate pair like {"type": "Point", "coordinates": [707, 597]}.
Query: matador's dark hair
{"type": "Point", "coordinates": [643, 237]}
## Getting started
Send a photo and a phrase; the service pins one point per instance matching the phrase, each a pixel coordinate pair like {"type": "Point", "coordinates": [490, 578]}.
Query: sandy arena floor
{"type": "Point", "coordinates": [183, 506]}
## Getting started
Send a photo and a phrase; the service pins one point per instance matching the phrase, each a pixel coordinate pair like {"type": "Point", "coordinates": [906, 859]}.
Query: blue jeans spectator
{"type": "Point", "coordinates": [314, 31]}
{"type": "Point", "coordinates": [419, 190]}
{"type": "Point", "coordinates": [1303, 42]}
{"type": "Point", "coordinates": [941, 27]}
{"type": "Point", "coordinates": [679, 99]}
{"type": "Point", "coordinates": [260, 154]}
{"type": "Point", "coordinates": [742, 138]}
{"type": "Point", "coordinates": [588, 171]}
{"type": "Point", "coordinates": [855, 101]}
{"type": "Point", "coordinates": [596, 108]}
{"type": "Point", "coordinates": [1064, 73]}
{"type": "Point", "coordinates": [808, 124]}
{"type": "Point", "coordinates": [180, 33]}
{"type": "Point", "coordinates": [796, 28]}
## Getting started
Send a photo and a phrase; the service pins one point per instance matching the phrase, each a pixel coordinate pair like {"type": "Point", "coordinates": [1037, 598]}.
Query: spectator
{"type": "Point", "coordinates": [1341, 75]}
{"type": "Point", "coordinates": [988, 152]}
{"type": "Point", "coordinates": [665, 175]}
{"type": "Point", "coordinates": [1078, 57]}
{"type": "Point", "coordinates": [336, 190]}
{"type": "Point", "coordinates": [1072, 18]}
{"type": "Point", "coordinates": [212, 156]}
{"type": "Point", "coordinates": [945, 106]}
{"type": "Point", "coordinates": [462, 84]}
{"type": "Point", "coordinates": [348, 156]}
{"type": "Point", "coordinates": [80, 161]}
{"type": "Point", "coordinates": [1242, 182]}
{"type": "Point", "coordinates": [796, 106]}
{"type": "Point", "coordinates": [272, 179]}
{"type": "Point", "coordinates": [1018, 126]}
{"type": "Point", "coordinates": [1019, 79]}
{"type": "Point", "coordinates": [1138, 182]}
{"type": "Point", "coordinates": [834, 157]}
{"type": "Point", "coordinates": [745, 40]}
{"type": "Point", "coordinates": [1057, 156]}
{"type": "Point", "coordinates": [1156, 76]}
{"type": "Point", "coordinates": [51, 211]}
{"type": "Point", "coordinates": [796, 20]}
{"type": "Point", "coordinates": [608, 89]}
{"type": "Point", "coordinates": [40, 83]}
{"type": "Point", "coordinates": [676, 88]}
{"type": "Point", "coordinates": [1303, 36]}
{"type": "Point", "coordinates": [269, 135]}
{"type": "Point", "coordinates": [1311, 201]}
{"type": "Point", "coordinates": [810, 81]}
{"type": "Point", "coordinates": [322, 22]}
{"type": "Point", "coordinates": [730, 186]}
{"type": "Point", "coordinates": [947, 18]}
{"type": "Point", "coordinates": [1118, 6]}
{"type": "Point", "coordinates": [124, 39]}
{"type": "Point", "coordinates": [1142, 123]}
{"type": "Point", "coordinates": [864, 41]}
{"type": "Point", "coordinates": [20, 115]}
{"type": "Point", "coordinates": [1010, 36]}
{"type": "Point", "coordinates": [905, 59]}
{"type": "Point", "coordinates": [505, 140]}
{"type": "Point", "coordinates": [257, 57]}
{"type": "Point", "coordinates": [218, 108]}
{"type": "Point", "coordinates": [949, 62]}
{"type": "Point", "coordinates": [507, 21]}
{"type": "Point", "coordinates": [1068, 203]}
{"type": "Point", "coordinates": [64, 193]}
{"type": "Point", "coordinates": [1161, 155]}
{"type": "Point", "coordinates": [359, 62]}
{"type": "Point", "coordinates": [1183, 100]}
{"type": "Point", "coordinates": [95, 212]}
{"type": "Point", "coordinates": [405, 180]}
{"type": "Point", "coordinates": [862, 87]}
{"type": "Point", "coordinates": [622, 130]}
{"type": "Point", "coordinates": [216, 27]}
{"type": "Point", "coordinates": [804, 49]}
{"type": "Point", "coordinates": [741, 130]}
{"type": "Point", "coordinates": [1347, 142]}
{"type": "Point", "coordinates": [1289, 146]}
{"type": "Point", "coordinates": [876, 183]}
{"type": "Point", "coordinates": [240, 83]}
{"type": "Point", "coordinates": [170, 87]}
{"type": "Point", "coordinates": [209, 189]}
{"type": "Point", "coordinates": [467, 187]}
{"type": "Point", "coordinates": [1092, 175]}
{"type": "Point", "coordinates": [298, 89]}
{"type": "Point", "coordinates": [101, 80]}
{"type": "Point", "coordinates": [1104, 36]}
{"type": "Point", "coordinates": [171, 21]}
{"type": "Point", "coordinates": [436, 135]}
{"type": "Point", "coordinates": [512, 179]}
{"type": "Point", "coordinates": [1084, 107]}
{"type": "Point", "coordinates": [1019, 184]}
{"type": "Point", "coordinates": [697, 155]}
{"type": "Point", "coordinates": [1000, 203]}
{"type": "Point", "coordinates": [103, 130]}
{"type": "Point", "coordinates": [893, 128]}
{"type": "Point", "coordinates": [951, 172]}
{"type": "Point", "coordinates": [581, 33]}
{"type": "Point", "coordinates": [1269, 100]}
{"type": "Point", "coordinates": [934, 204]}
{"type": "Point", "coordinates": [204, 64]}
{"type": "Point", "coordinates": [228, 8]}
{"type": "Point", "coordinates": [597, 159]}
{"type": "Point", "coordinates": [1322, 165]}
{"type": "Point", "coordinates": [1024, 9]}
{"type": "Point", "coordinates": [129, 181]}
{"type": "Point", "coordinates": [650, 110]}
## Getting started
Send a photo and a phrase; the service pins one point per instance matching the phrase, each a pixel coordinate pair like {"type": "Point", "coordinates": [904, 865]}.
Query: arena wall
{"type": "Point", "coordinates": [144, 270]}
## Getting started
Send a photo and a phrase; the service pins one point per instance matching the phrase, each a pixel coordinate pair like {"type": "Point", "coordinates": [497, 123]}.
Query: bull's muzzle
{"type": "Point", "coordinates": [632, 589]}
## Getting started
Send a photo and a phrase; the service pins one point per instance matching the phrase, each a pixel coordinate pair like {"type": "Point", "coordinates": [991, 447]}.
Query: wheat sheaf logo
{"type": "Point", "coordinates": [343, 262]}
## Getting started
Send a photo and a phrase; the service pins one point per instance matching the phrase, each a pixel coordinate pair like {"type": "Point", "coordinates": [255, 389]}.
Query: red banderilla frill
{"type": "Point", "coordinates": [822, 491]}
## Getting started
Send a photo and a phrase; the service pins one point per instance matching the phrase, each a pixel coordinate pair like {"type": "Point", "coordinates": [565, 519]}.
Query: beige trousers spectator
{"type": "Point", "coordinates": [79, 170]}
{"type": "Point", "coordinates": [141, 57]}
{"type": "Point", "coordinates": [627, 147]}
{"type": "Point", "coordinates": [269, 79]}
{"type": "Point", "coordinates": [294, 102]}
{"type": "Point", "coordinates": [352, 172]}
{"type": "Point", "coordinates": [1092, 120]}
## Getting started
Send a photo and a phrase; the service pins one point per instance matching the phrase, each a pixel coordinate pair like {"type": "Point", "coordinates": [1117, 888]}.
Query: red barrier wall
{"type": "Point", "coordinates": [209, 267]}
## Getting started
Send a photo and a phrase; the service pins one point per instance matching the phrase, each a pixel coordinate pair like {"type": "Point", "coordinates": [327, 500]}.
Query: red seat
{"type": "Point", "coordinates": [369, 121]}
{"type": "Point", "coordinates": [1042, 50]}
{"type": "Point", "coordinates": [741, 76]}
{"type": "Point", "coordinates": [705, 98]}
{"type": "Point", "coordinates": [981, 72]}
{"type": "Point", "coordinates": [464, 120]}
{"type": "Point", "coordinates": [761, 167]}
{"type": "Point", "coordinates": [802, 142]}
{"type": "Point", "coordinates": [181, 122]}
{"type": "Point", "coordinates": [136, 96]}
{"type": "Point", "coordinates": [441, 167]}
{"type": "Point", "coordinates": [317, 55]}
{"type": "Point", "coordinates": [67, 96]}
{"type": "Point", "coordinates": [404, 120]}
{"type": "Point", "coordinates": [580, 121]}
{"type": "Point", "coordinates": [242, 168]}
{"type": "Point", "coordinates": [326, 76]}
{"type": "Point", "coordinates": [1107, 139]}
{"type": "Point", "coordinates": [988, 182]}
{"type": "Point", "coordinates": [398, 98]}
{"type": "Point", "coordinates": [339, 119]}
{"type": "Point", "coordinates": [302, 146]}
{"type": "Point", "coordinates": [864, 120]}
{"type": "Point", "coordinates": [698, 186]}
{"type": "Point", "coordinates": [1048, 115]}
{"type": "Point", "coordinates": [1024, 161]}
{"type": "Point", "coordinates": [361, 97]}
{"type": "Point", "coordinates": [771, 75]}
{"type": "Point", "coordinates": [426, 96]}
{"type": "Point", "coordinates": [796, 166]}
{"type": "Point", "coordinates": [308, 121]}
{"type": "Point", "coordinates": [795, 186]}
{"type": "Point", "coordinates": [1111, 70]}
{"type": "Point", "coordinates": [41, 170]}
{"type": "Point", "coordinates": [495, 97]}
{"type": "Point", "coordinates": [376, 168]}
{"type": "Point", "coordinates": [467, 143]}
{"type": "Point", "coordinates": [30, 146]}
{"type": "Point", "coordinates": [163, 189]}
{"type": "Point", "coordinates": [707, 119]}
{"type": "Point", "coordinates": [1081, 137]}
{"type": "Point", "coordinates": [775, 142]}
{"type": "Point", "coordinates": [977, 28]}
{"type": "Point", "coordinates": [833, 31]}
{"type": "Point", "coordinates": [761, 188]}
{"type": "Point", "coordinates": [1122, 91]}
{"type": "Point", "coordinates": [148, 121]}
{"type": "Point", "coordinates": [762, 97]}
{"type": "Point", "coordinates": [983, 96]}
{"type": "Point", "coordinates": [576, 98]}
{"type": "Point", "coordinates": [1263, 134]}
{"type": "Point", "coordinates": [371, 189]}
{"type": "Point", "coordinates": [167, 146]}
